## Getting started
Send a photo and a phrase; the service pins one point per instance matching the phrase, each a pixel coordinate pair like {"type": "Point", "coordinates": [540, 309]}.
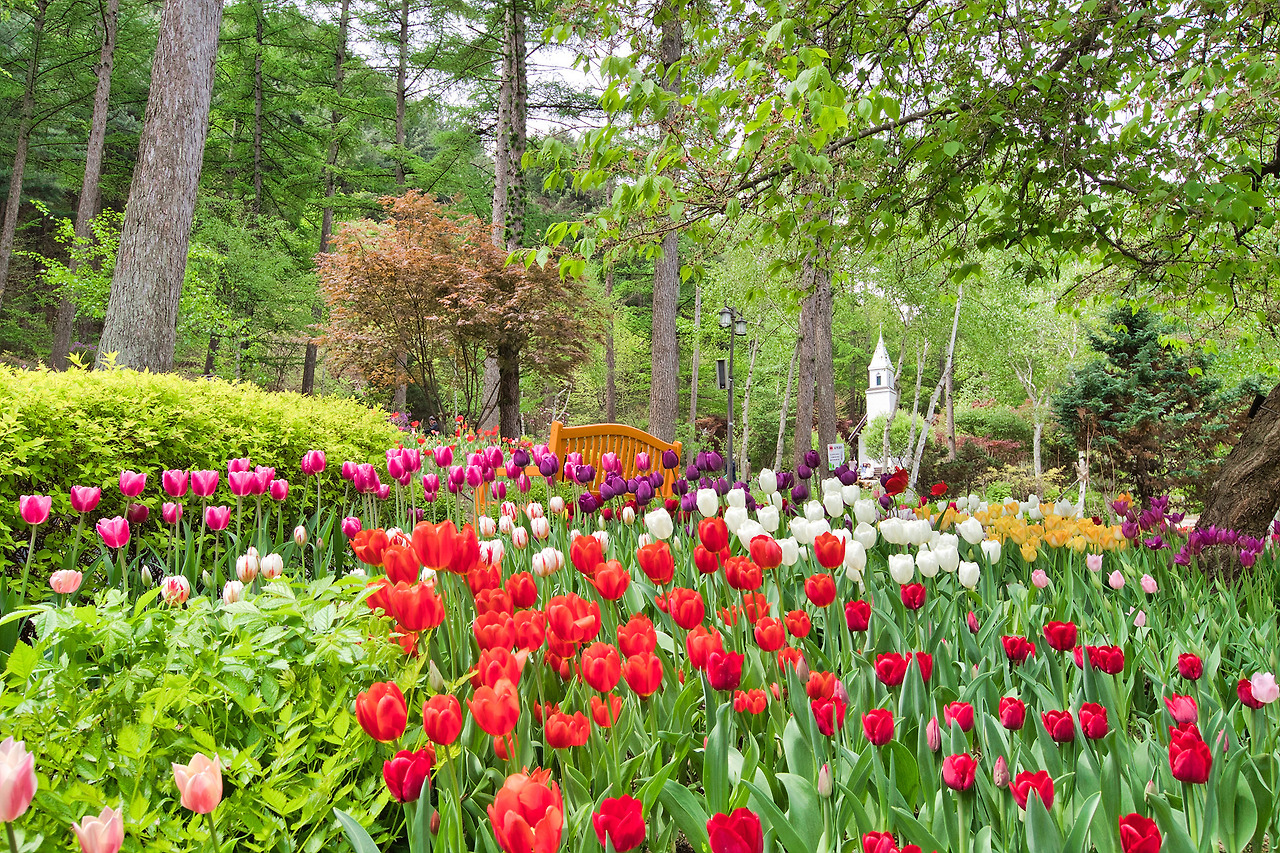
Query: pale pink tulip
{"type": "Point", "coordinates": [1116, 580]}
{"type": "Point", "coordinates": [1094, 562]}
{"type": "Point", "coordinates": [199, 783]}
{"type": "Point", "coordinates": [101, 834]}
{"type": "Point", "coordinates": [1149, 585]}
{"type": "Point", "coordinates": [1040, 579]}
{"type": "Point", "coordinates": [17, 779]}
{"type": "Point", "coordinates": [1264, 687]}
{"type": "Point", "coordinates": [65, 581]}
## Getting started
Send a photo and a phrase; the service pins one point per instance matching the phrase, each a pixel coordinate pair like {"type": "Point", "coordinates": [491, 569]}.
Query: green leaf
{"type": "Point", "coordinates": [951, 147]}
{"type": "Point", "coordinates": [791, 837]}
{"type": "Point", "coordinates": [1078, 839]}
{"type": "Point", "coordinates": [356, 835]}
{"type": "Point", "coordinates": [1042, 834]}
{"type": "Point", "coordinates": [685, 810]}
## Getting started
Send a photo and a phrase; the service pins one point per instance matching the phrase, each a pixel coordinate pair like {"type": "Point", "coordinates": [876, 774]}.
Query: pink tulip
{"type": "Point", "coordinates": [262, 477]}
{"type": "Point", "coordinates": [442, 456]}
{"type": "Point", "coordinates": [1094, 562]}
{"type": "Point", "coordinates": [85, 498]}
{"type": "Point", "coordinates": [217, 517]}
{"type": "Point", "coordinates": [1116, 580]}
{"type": "Point", "coordinates": [17, 779]}
{"type": "Point", "coordinates": [431, 483]}
{"type": "Point", "coordinates": [313, 462]}
{"type": "Point", "coordinates": [204, 483]}
{"type": "Point", "coordinates": [933, 734]}
{"type": "Point", "coordinates": [241, 483]}
{"type": "Point", "coordinates": [523, 483]}
{"type": "Point", "coordinates": [171, 512]}
{"type": "Point", "coordinates": [1182, 708]}
{"type": "Point", "coordinates": [383, 491]}
{"type": "Point", "coordinates": [132, 483]}
{"type": "Point", "coordinates": [350, 526]}
{"type": "Point", "coordinates": [101, 834]}
{"type": "Point", "coordinates": [1040, 579]}
{"type": "Point", "coordinates": [279, 490]}
{"type": "Point", "coordinates": [199, 783]}
{"type": "Point", "coordinates": [174, 482]}
{"type": "Point", "coordinates": [349, 471]}
{"type": "Point", "coordinates": [65, 581]}
{"type": "Point", "coordinates": [1149, 585]}
{"type": "Point", "coordinates": [1140, 619]}
{"type": "Point", "coordinates": [34, 508]}
{"type": "Point", "coordinates": [237, 465]}
{"type": "Point", "coordinates": [642, 461]}
{"type": "Point", "coordinates": [114, 531]}
{"type": "Point", "coordinates": [137, 513]}
{"type": "Point", "coordinates": [475, 476]}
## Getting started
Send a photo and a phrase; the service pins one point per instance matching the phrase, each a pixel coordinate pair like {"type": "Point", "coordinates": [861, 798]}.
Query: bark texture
{"type": "Point", "coordinates": [1246, 493]}
{"type": "Point", "coordinates": [803, 440]}
{"type": "Point", "coordinates": [824, 365]}
{"type": "Point", "coordinates": [87, 206]}
{"type": "Point", "coordinates": [10, 227]}
{"type": "Point", "coordinates": [696, 356]}
{"type": "Point", "coordinates": [142, 312]}
{"type": "Point", "coordinates": [610, 380]}
{"type": "Point", "coordinates": [786, 400]}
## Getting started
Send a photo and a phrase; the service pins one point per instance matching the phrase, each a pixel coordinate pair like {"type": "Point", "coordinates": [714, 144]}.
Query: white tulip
{"type": "Point", "coordinates": [814, 511]}
{"type": "Point", "coordinates": [534, 510]}
{"type": "Point", "coordinates": [435, 679]}
{"type": "Point", "coordinates": [927, 563]}
{"type": "Point", "coordinates": [357, 572]}
{"type": "Point", "coordinates": [790, 551]}
{"type": "Point", "coordinates": [628, 515]}
{"type": "Point", "coordinates": [574, 534]}
{"type": "Point", "coordinates": [749, 530]}
{"type": "Point", "coordinates": [540, 528]}
{"type": "Point", "coordinates": [962, 503]}
{"type": "Point", "coordinates": [247, 567]}
{"type": "Point", "coordinates": [603, 538]}
{"type": "Point", "coordinates": [509, 510]}
{"type": "Point", "coordinates": [971, 530]}
{"type": "Point", "coordinates": [300, 536]}
{"type": "Point", "coordinates": [945, 539]}
{"type": "Point", "coordinates": [777, 500]}
{"type": "Point", "coordinates": [768, 481]}
{"type": "Point", "coordinates": [506, 525]}
{"type": "Point", "coordinates": [272, 566]}
{"type": "Point", "coordinates": [974, 502]}
{"type": "Point", "coordinates": [850, 494]}
{"type": "Point", "coordinates": [556, 504]}
{"type": "Point", "coordinates": [520, 537]}
{"type": "Point", "coordinates": [948, 557]}
{"type": "Point", "coordinates": [1066, 509]}
{"type": "Point", "coordinates": [149, 581]}
{"type": "Point", "coordinates": [232, 591]}
{"type": "Point", "coordinates": [833, 503]}
{"type": "Point", "coordinates": [969, 574]}
{"type": "Point", "coordinates": [736, 497]}
{"type": "Point", "coordinates": [819, 527]}
{"type": "Point", "coordinates": [902, 568]}
{"type": "Point", "coordinates": [486, 526]}
{"type": "Point", "coordinates": [800, 530]}
{"type": "Point", "coordinates": [855, 558]}
{"type": "Point", "coordinates": [866, 535]}
{"type": "Point", "coordinates": [708, 503]}
{"type": "Point", "coordinates": [893, 531]}
{"type": "Point", "coordinates": [917, 531]}
{"type": "Point", "coordinates": [659, 523]}
{"type": "Point", "coordinates": [427, 575]}
{"type": "Point", "coordinates": [865, 511]}
{"type": "Point", "coordinates": [643, 539]}
{"type": "Point", "coordinates": [540, 565]}
{"type": "Point", "coordinates": [769, 518]}
{"type": "Point", "coordinates": [734, 516]}
{"type": "Point", "coordinates": [991, 548]}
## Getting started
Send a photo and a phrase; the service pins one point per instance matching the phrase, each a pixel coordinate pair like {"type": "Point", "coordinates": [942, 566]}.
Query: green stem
{"type": "Point", "coordinates": [213, 833]}
{"type": "Point", "coordinates": [13, 839]}
{"type": "Point", "coordinates": [26, 570]}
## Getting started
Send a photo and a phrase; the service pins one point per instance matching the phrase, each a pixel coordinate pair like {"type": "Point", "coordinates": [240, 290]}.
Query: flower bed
{"type": "Point", "coordinates": [892, 674]}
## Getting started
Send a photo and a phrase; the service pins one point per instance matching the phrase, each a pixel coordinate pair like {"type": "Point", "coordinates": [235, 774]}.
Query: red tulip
{"type": "Point", "coordinates": [435, 544]}
{"type": "Point", "coordinates": [877, 726]}
{"type": "Point", "coordinates": [790, 657]}
{"type": "Point", "coordinates": [820, 685]}
{"type": "Point", "coordinates": [416, 606]}
{"type": "Point", "coordinates": [707, 562]}
{"type": "Point", "coordinates": [1108, 659]}
{"type": "Point", "coordinates": [1013, 713]}
{"type": "Point", "coordinates": [530, 629]}
{"type": "Point", "coordinates": [369, 546]}
{"type": "Point", "coordinates": [798, 624]}
{"type": "Point", "coordinates": [1139, 834]}
{"type": "Point", "coordinates": [829, 714]}
{"type": "Point", "coordinates": [742, 574]}
{"type": "Point", "coordinates": [611, 579]}
{"type": "Point", "coordinates": [563, 731]}
{"type": "Point", "coordinates": [398, 561]}
{"type": "Point", "coordinates": [643, 673]}
{"type": "Point", "coordinates": [656, 562]}
{"type": "Point", "coordinates": [829, 551]}
{"type": "Point", "coordinates": [960, 713]}
{"type": "Point", "coordinates": [686, 607]}
{"type": "Point", "coordinates": [528, 813]}
{"type": "Point", "coordinates": [1244, 690]}
{"type": "Point", "coordinates": [586, 554]}
{"type": "Point", "coordinates": [1182, 708]}
{"type": "Point", "coordinates": [1060, 725]}
{"type": "Point", "coordinates": [1025, 783]}
{"type": "Point", "coordinates": [137, 513]}
{"type": "Point", "coordinates": [1018, 649]}
{"type": "Point", "coordinates": [604, 713]}
{"type": "Point", "coordinates": [406, 774]}
{"type": "Point", "coordinates": [913, 595]}
{"type": "Point", "coordinates": [750, 701]}
{"type": "Point", "coordinates": [821, 589]}
{"type": "Point", "coordinates": [1093, 720]}
{"type": "Point", "coordinates": [891, 668]}
{"type": "Point", "coordinates": [619, 820]}
{"type": "Point", "coordinates": [1190, 758]}
{"type": "Point", "coordinates": [700, 642]}
{"type": "Point", "coordinates": [738, 832]}
{"type": "Point", "coordinates": [879, 842]}
{"type": "Point", "coordinates": [972, 621]}
{"type": "Point", "coordinates": [770, 634]}
{"type": "Point", "coordinates": [523, 589]}
{"type": "Point", "coordinates": [713, 533]}
{"type": "Point", "coordinates": [959, 771]}
{"type": "Point", "coordinates": [381, 711]}
{"type": "Point", "coordinates": [494, 600]}
{"type": "Point", "coordinates": [496, 709]}
{"type": "Point", "coordinates": [495, 665]}
{"type": "Point", "coordinates": [924, 661]}
{"type": "Point", "coordinates": [442, 719]}
{"type": "Point", "coordinates": [857, 615]}
{"type": "Point", "coordinates": [1190, 666]}
{"type": "Point", "coordinates": [637, 636]}
{"type": "Point", "coordinates": [1060, 635]}
{"type": "Point", "coordinates": [724, 670]}
{"type": "Point", "coordinates": [601, 667]}
{"type": "Point", "coordinates": [572, 618]}
{"type": "Point", "coordinates": [766, 552]}
{"type": "Point", "coordinates": [494, 630]}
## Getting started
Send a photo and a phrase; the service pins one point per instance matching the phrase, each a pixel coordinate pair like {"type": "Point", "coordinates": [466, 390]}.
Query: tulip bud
{"type": "Point", "coordinates": [232, 591]}
{"type": "Point", "coordinates": [272, 566]}
{"type": "Point", "coordinates": [825, 782]}
{"type": "Point", "coordinates": [802, 670]}
{"type": "Point", "coordinates": [300, 536]}
{"type": "Point", "coordinates": [434, 678]}
{"type": "Point", "coordinates": [147, 579]}
{"type": "Point", "coordinates": [933, 734]}
{"type": "Point", "coordinates": [1000, 773]}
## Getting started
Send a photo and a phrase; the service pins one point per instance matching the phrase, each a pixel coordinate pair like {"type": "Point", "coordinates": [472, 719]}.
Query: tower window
{"type": "Point", "coordinates": [877, 379]}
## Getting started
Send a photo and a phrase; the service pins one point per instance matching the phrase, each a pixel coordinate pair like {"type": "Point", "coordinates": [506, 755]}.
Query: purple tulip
{"type": "Point", "coordinates": [585, 474]}
{"type": "Point", "coordinates": [137, 513]}
{"type": "Point", "coordinates": [681, 486]}
{"type": "Point", "coordinates": [586, 503]}
{"type": "Point", "coordinates": [886, 501]}
{"type": "Point", "coordinates": [520, 457]}
{"type": "Point", "coordinates": [670, 459]}
{"type": "Point", "coordinates": [691, 471]}
{"type": "Point", "coordinates": [812, 459]}
{"type": "Point", "coordinates": [803, 471]}
{"type": "Point", "coordinates": [644, 492]}
{"type": "Point", "coordinates": [549, 466]}
{"type": "Point", "coordinates": [688, 500]}
{"type": "Point", "coordinates": [475, 476]}
{"type": "Point", "coordinates": [799, 493]}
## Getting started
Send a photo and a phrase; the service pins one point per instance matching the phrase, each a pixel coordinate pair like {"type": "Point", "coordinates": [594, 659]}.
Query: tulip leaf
{"type": "Point", "coordinates": [356, 836]}
{"type": "Point", "coordinates": [798, 751]}
{"type": "Point", "coordinates": [773, 817]}
{"type": "Point", "coordinates": [803, 808]}
{"type": "Point", "coordinates": [1042, 834]}
{"type": "Point", "coordinates": [715, 759]}
{"type": "Point", "coordinates": [914, 831]}
{"type": "Point", "coordinates": [686, 811]}
{"type": "Point", "coordinates": [1176, 839]}
{"type": "Point", "coordinates": [1077, 841]}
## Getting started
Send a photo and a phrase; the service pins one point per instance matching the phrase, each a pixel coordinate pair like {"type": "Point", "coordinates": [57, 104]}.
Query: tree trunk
{"type": "Point", "coordinates": [330, 182]}
{"type": "Point", "coordinates": [921, 356]}
{"type": "Point", "coordinates": [402, 73]}
{"type": "Point", "coordinates": [931, 418]}
{"type": "Point", "coordinates": [803, 440]}
{"type": "Point", "coordinates": [744, 467]}
{"type": "Point", "coordinates": [824, 366]}
{"type": "Point", "coordinates": [10, 227]}
{"type": "Point", "coordinates": [1246, 492]}
{"type": "Point", "coordinates": [509, 390]}
{"type": "Point", "coordinates": [610, 382]}
{"type": "Point", "coordinates": [259, 12]}
{"type": "Point", "coordinates": [1035, 446]}
{"type": "Point", "coordinates": [89, 194]}
{"type": "Point", "coordinates": [664, 344]}
{"type": "Point", "coordinates": [786, 398]}
{"type": "Point", "coordinates": [696, 355]}
{"type": "Point", "coordinates": [142, 312]}
{"type": "Point", "coordinates": [211, 354]}
{"type": "Point", "coordinates": [951, 422]}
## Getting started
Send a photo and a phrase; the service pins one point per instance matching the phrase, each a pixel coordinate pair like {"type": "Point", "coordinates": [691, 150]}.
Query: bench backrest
{"type": "Point", "coordinates": [595, 440]}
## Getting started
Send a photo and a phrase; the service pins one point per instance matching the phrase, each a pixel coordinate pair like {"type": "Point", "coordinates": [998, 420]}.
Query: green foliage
{"type": "Point", "coordinates": [82, 428]}
{"type": "Point", "coordinates": [899, 434]}
{"type": "Point", "coordinates": [268, 685]}
{"type": "Point", "coordinates": [1002, 423]}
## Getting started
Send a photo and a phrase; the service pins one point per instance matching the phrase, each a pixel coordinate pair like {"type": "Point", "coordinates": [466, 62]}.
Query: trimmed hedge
{"type": "Point", "coordinates": [82, 428]}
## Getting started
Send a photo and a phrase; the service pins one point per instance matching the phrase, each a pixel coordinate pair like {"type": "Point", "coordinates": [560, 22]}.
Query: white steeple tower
{"type": "Point", "coordinates": [882, 394]}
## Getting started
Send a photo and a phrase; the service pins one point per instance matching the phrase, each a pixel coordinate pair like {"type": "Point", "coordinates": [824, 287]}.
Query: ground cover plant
{"type": "Point", "coordinates": [793, 664]}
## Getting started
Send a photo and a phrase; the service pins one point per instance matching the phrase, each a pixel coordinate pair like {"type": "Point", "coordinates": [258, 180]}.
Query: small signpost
{"type": "Point", "coordinates": [835, 455]}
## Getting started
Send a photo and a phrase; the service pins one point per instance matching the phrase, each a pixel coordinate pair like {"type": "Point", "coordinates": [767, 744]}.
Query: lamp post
{"type": "Point", "coordinates": [732, 321]}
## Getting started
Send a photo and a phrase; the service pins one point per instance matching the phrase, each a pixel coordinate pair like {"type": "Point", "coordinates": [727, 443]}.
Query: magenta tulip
{"type": "Point", "coordinates": [114, 531]}
{"type": "Point", "coordinates": [174, 482]}
{"type": "Point", "coordinates": [85, 498]}
{"type": "Point", "coordinates": [171, 512]}
{"type": "Point", "coordinates": [217, 517]}
{"type": "Point", "coordinates": [313, 462]}
{"type": "Point", "coordinates": [34, 508]}
{"type": "Point", "coordinates": [350, 526]}
{"type": "Point", "coordinates": [132, 483]}
{"type": "Point", "coordinates": [204, 483]}
{"type": "Point", "coordinates": [237, 465]}
{"type": "Point", "coordinates": [279, 489]}
{"type": "Point", "coordinates": [241, 483]}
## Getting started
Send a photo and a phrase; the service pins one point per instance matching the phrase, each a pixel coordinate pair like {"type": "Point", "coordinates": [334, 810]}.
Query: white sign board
{"type": "Point", "coordinates": [835, 455]}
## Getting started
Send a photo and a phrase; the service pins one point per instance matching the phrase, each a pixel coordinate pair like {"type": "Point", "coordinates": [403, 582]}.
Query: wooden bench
{"type": "Point", "coordinates": [595, 440]}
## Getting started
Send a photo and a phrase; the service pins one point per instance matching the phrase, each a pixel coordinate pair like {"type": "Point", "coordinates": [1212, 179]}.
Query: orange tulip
{"type": "Point", "coordinates": [611, 579]}
{"type": "Point", "coordinates": [434, 544]}
{"type": "Point", "coordinates": [381, 711]}
{"type": "Point", "coordinates": [829, 549]}
{"type": "Point", "coordinates": [527, 813]}
{"type": "Point", "coordinates": [442, 719]}
{"type": "Point", "coordinates": [601, 667]}
{"type": "Point", "coordinates": [369, 546]}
